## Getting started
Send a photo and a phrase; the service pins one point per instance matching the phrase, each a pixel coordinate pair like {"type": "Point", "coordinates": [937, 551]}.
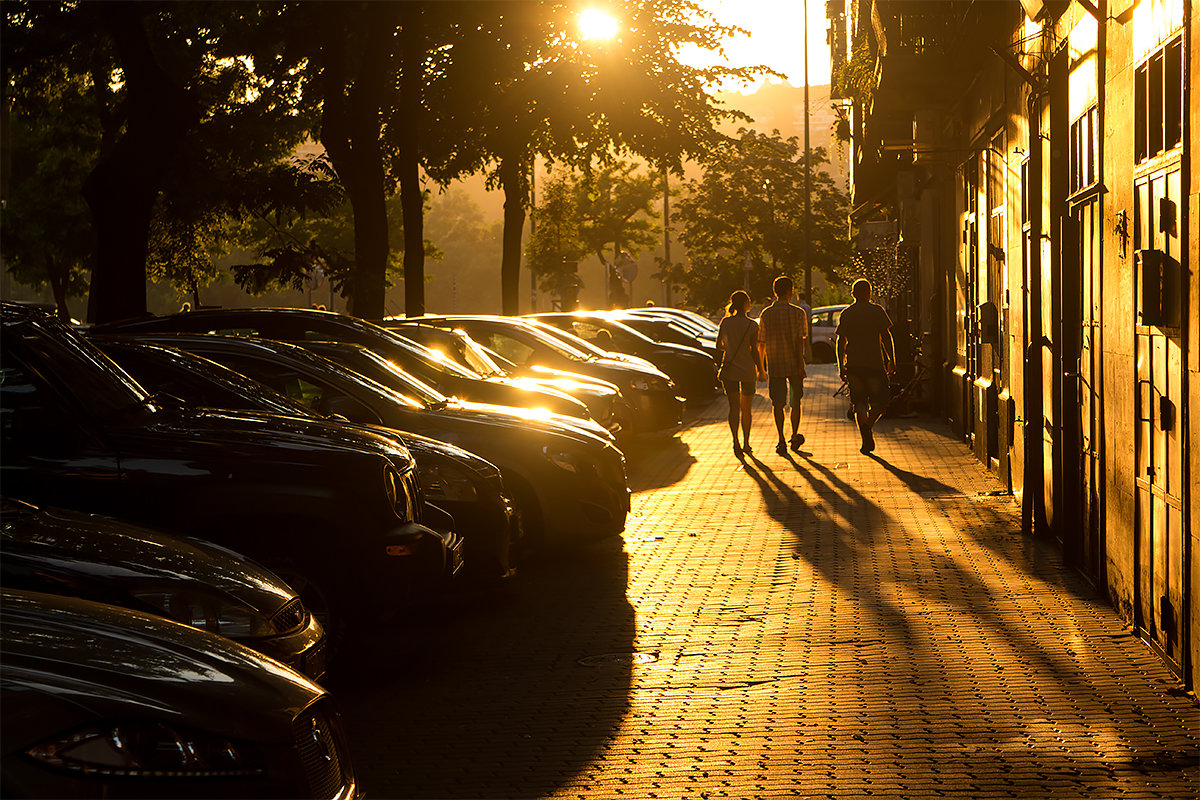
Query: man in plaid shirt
{"type": "Point", "coordinates": [782, 330]}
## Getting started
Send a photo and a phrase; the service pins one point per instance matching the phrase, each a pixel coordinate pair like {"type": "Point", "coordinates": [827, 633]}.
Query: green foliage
{"type": "Point", "coordinates": [855, 78]}
{"type": "Point", "coordinates": [616, 204]}
{"type": "Point", "coordinates": [45, 225]}
{"type": "Point", "coordinates": [750, 203]}
{"type": "Point", "coordinates": [557, 245]}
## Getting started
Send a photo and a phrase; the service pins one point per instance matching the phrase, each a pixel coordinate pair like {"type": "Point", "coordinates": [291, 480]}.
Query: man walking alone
{"type": "Point", "coordinates": [866, 357]}
{"type": "Point", "coordinates": [782, 330]}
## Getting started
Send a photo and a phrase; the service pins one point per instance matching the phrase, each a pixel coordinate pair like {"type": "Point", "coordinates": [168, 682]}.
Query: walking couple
{"type": "Point", "coordinates": [771, 348]}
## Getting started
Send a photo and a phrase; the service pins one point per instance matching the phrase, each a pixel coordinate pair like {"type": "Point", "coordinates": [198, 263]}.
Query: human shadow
{"type": "Point", "coordinates": [899, 575]}
{"type": "Point", "coordinates": [921, 484]}
{"type": "Point", "coordinates": [510, 698]}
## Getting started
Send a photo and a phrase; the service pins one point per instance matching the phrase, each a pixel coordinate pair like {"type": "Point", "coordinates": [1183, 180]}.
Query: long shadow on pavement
{"type": "Point", "coordinates": [509, 699]}
{"type": "Point", "coordinates": [847, 540]}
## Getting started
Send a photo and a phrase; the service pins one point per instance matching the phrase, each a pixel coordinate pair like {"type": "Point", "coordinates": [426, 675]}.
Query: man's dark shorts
{"type": "Point", "coordinates": [778, 390]}
{"type": "Point", "coordinates": [868, 387]}
{"type": "Point", "coordinates": [735, 387]}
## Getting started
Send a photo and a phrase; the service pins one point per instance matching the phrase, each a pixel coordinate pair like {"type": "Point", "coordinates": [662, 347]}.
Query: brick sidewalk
{"type": "Point", "coordinates": [826, 625]}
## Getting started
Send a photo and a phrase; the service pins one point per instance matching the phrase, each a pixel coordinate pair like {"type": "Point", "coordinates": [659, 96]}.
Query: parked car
{"type": "Point", "coordinates": [569, 485]}
{"type": "Point", "coordinates": [598, 395]}
{"type": "Point", "coordinates": [692, 370]}
{"type": "Point", "coordinates": [461, 483]}
{"type": "Point", "coordinates": [649, 404]}
{"type": "Point", "coordinates": [825, 321]}
{"type": "Point", "coordinates": [694, 321]}
{"type": "Point", "coordinates": [297, 325]}
{"type": "Point", "coordinates": [187, 580]}
{"type": "Point", "coordinates": [104, 702]}
{"type": "Point", "coordinates": [665, 329]}
{"type": "Point", "coordinates": [335, 512]}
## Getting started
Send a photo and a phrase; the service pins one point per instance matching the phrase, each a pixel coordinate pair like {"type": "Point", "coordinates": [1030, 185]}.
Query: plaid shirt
{"type": "Point", "coordinates": [782, 328]}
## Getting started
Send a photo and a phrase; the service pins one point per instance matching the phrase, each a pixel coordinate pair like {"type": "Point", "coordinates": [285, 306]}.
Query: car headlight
{"type": "Point", "coordinates": [399, 498]}
{"type": "Point", "coordinates": [146, 750]}
{"type": "Point", "coordinates": [442, 479]}
{"type": "Point", "coordinates": [207, 610]}
{"type": "Point", "coordinates": [561, 459]}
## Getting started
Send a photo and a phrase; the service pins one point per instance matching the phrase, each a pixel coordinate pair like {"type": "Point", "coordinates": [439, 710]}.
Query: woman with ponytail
{"type": "Point", "coordinates": [741, 366]}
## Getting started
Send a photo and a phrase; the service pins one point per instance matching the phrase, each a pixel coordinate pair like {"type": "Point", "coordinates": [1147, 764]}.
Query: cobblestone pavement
{"type": "Point", "coordinates": [823, 625]}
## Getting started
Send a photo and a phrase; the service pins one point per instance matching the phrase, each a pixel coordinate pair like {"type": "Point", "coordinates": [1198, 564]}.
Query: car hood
{"type": "Point", "coordinates": [580, 430]}
{"type": "Point", "coordinates": [68, 662]}
{"type": "Point", "coordinates": [106, 550]}
{"type": "Point", "coordinates": [310, 437]}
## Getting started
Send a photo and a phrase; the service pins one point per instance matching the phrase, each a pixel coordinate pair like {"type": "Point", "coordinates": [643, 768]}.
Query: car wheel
{"type": "Point", "coordinates": [822, 353]}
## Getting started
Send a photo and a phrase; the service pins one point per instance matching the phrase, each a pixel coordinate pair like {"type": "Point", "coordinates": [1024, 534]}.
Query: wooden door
{"type": "Point", "coordinates": [1158, 439]}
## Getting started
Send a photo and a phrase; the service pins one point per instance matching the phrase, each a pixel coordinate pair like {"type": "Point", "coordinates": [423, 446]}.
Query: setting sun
{"type": "Point", "coordinates": [596, 24]}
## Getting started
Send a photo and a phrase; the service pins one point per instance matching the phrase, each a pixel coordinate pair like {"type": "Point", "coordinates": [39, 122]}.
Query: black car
{"type": "Point", "coordinates": [335, 512]}
{"type": "Point", "coordinates": [650, 403]}
{"type": "Point", "coordinates": [103, 702]}
{"type": "Point", "coordinates": [666, 329]}
{"type": "Point", "coordinates": [461, 483]}
{"type": "Point", "coordinates": [600, 396]}
{"type": "Point", "coordinates": [569, 485]}
{"type": "Point", "coordinates": [692, 369]}
{"type": "Point", "coordinates": [292, 324]}
{"type": "Point", "coordinates": [193, 582]}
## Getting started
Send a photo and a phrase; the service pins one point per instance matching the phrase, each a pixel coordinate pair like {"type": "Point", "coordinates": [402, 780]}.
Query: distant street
{"type": "Point", "coordinates": [829, 625]}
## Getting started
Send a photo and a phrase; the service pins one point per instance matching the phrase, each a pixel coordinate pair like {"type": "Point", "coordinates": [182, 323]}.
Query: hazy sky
{"type": "Point", "coordinates": [776, 37]}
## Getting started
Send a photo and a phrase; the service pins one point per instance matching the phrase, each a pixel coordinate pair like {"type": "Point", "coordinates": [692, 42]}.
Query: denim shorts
{"type": "Point", "coordinates": [785, 390]}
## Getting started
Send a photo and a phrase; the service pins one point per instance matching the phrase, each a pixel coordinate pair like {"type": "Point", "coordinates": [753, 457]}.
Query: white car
{"type": "Point", "coordinates": [824, 325]}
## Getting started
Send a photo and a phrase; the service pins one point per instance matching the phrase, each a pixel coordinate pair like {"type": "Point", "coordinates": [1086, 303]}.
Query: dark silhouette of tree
{"type": "Point", "coordinates": [750, 202]}
{"type": "Point", "coordinates": [523, 84]}
{"type": "Point", "coordinates": [193, 103]}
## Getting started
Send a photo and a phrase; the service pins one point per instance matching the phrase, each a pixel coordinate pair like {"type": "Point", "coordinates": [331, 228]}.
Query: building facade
{"type": "Point", "coordinates": [1032, 160]}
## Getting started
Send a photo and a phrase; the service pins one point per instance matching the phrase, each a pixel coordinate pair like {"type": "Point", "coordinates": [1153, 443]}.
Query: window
{"type": "Point", "coordinates": [515, 351]}
{"type": "Point", "coordinates": [1158, 102]}
{"type": "Point", "coordinates": [1084, 149]}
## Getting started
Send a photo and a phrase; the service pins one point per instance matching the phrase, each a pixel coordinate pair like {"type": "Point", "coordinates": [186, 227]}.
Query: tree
{"type": "Point", "coordinates": [45, 224]}
{"type": "Point", "coordinates": [523, 84]}
{"type": "Point", "coordinates": [191, 100]}
{"type": "Point", "coordinates": [555, 248]}
{"type": "Point", "coordinates": [615, 204]}
{"type": "Point", "coordinates": [749, 204]}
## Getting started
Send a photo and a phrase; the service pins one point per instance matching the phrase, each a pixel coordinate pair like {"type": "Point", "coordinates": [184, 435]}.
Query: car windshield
{"type": "Point", "coordinates": [93, 377]}
{"type": "Point", "coordinates": [574, 347]}
{"type": "Point", "coordinates": [384, 374]}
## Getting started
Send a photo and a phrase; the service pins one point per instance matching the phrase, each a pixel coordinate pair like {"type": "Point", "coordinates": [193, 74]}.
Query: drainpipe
{"type": "Point", "coordinates": [1033, 511]}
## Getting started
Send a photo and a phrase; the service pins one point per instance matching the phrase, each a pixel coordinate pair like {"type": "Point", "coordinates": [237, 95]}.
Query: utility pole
{"type": "Point", "coordinates": [666, 265]}
{"type": "Point", "coordinates": [532, 232]}
{"type": "Point", "coordinates": [807, 172]}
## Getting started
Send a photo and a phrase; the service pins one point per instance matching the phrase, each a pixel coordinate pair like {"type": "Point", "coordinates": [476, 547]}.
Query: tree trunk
{"type": "Point", "coordinates": [411, 199]}
{"type": "Point", "coordinates": [122, 188]}
{"type": "Point", "coordinates": [516, 193]}
{"type": "Point", "coordinates": [350, 131]}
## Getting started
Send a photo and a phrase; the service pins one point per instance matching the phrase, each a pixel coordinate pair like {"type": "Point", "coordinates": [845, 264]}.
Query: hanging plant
{"type": "Point", "coordinates": [855, 78]}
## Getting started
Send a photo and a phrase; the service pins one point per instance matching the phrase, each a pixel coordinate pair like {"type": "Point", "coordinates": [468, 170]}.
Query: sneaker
{"type": "Point", "coordinates": [746, 448]}
{"type": "Point", "coordinates": [868, 444]}
{"type": "Point", "coordinates": [797, 440]}
{"type": "Point", "coordinates": [737, 449]}
{"type": "Point", "coordinates": [781, 448]}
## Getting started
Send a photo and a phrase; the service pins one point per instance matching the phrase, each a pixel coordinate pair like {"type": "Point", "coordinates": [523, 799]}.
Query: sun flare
{"type": "Point", "coordinates": [597, 24]}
